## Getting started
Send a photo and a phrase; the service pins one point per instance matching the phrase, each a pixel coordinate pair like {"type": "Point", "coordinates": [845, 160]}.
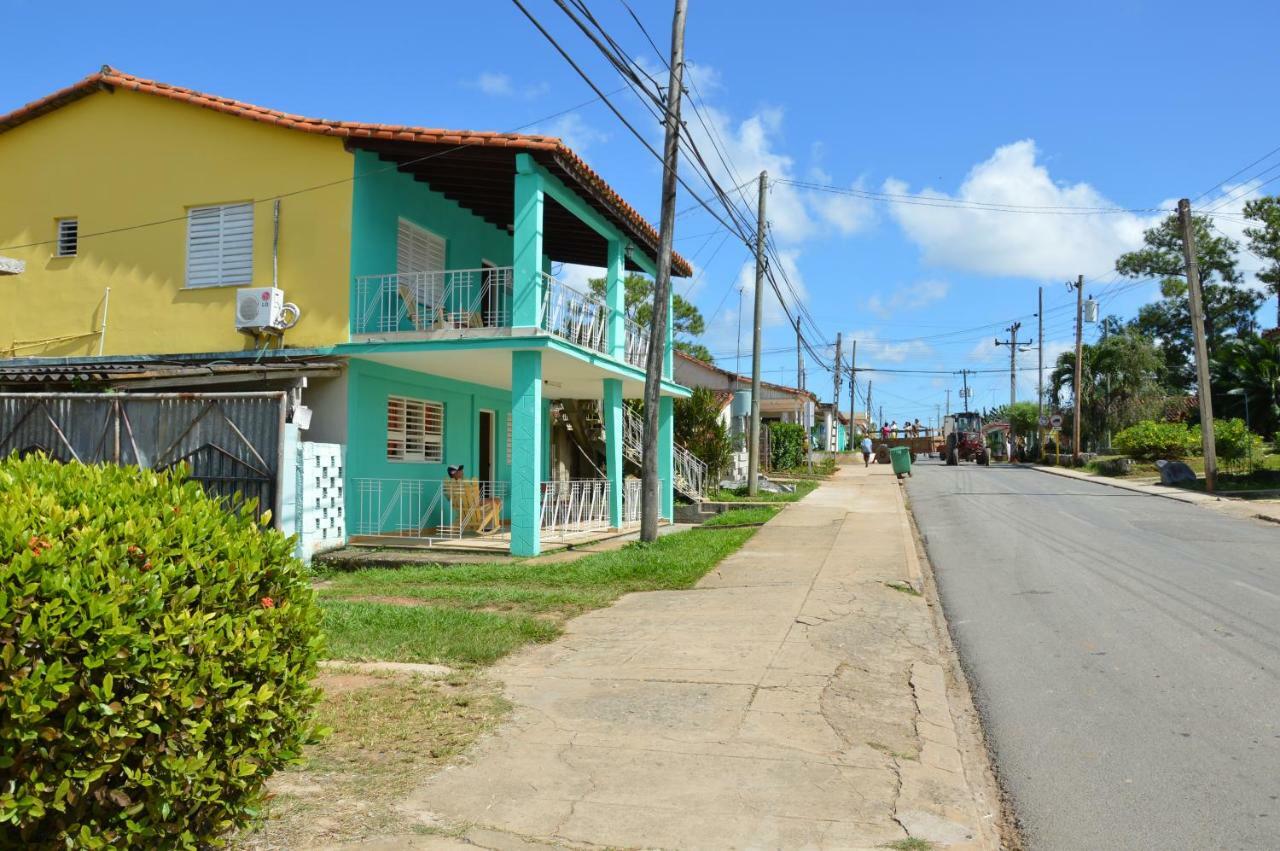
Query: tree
{"type": "Point", "coordinates": [1119, 378]}
{"type": "Point", "coordinates": [1251, 364]}
{"type": "Point", "coordinates": [686, 319]}
{"type": "Point", "coordinates": [699, 429]}
{"type": "Point", "coordinates": [1229, 308]}
{"type": "Point", "coordinates": [1264, 241]}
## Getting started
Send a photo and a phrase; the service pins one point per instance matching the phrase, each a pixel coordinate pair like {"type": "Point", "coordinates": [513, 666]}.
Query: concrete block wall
{"type": "Point", "coordinates": [321, 523]}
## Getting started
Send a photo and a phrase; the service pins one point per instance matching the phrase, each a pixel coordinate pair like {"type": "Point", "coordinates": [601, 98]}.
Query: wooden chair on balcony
{"type": "Point", "coordinates": [471, 511]}
{"type": "Point", "coordinates": [425, 317]}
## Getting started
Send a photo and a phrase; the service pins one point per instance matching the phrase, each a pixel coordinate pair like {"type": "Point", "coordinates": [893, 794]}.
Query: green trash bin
{"type": "Point", "coordinates": [901, 458]}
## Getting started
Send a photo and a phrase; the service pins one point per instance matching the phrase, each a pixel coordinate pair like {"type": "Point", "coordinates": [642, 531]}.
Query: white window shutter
{"type": "Point", "coordinates": [417, 249]}
{"type": "Point", "coordinates": [220, 245]}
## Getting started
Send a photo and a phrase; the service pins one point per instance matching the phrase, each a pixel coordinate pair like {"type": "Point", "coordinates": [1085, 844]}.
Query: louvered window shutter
{"type": "Point", "coordinates": [418, 250]}
{"type": "Point", "coordinates": [220, 245]}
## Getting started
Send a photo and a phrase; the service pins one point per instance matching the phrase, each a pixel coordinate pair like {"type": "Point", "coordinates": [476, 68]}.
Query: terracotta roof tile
{"type": "Point", "coordinates": [575, 165]}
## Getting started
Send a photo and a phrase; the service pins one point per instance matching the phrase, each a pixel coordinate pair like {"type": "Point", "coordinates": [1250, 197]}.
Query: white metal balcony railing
{"type": "Point", "coordinates": [481, 298]}
{"type": "Point", "coordinates": [573, 315]}
{"type": "Point", "coordinates": [447, 510]}
{"type": "Point", "coordinates": [431, 301]}
{"type": "Point", "coordinates": [582, 505]}
{"type": "Point", "coordinates": [431, 509]}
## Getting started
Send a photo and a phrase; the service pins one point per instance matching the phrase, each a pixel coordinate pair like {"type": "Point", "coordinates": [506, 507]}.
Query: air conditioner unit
{"type": "Point", "coordinates": [259, 308]}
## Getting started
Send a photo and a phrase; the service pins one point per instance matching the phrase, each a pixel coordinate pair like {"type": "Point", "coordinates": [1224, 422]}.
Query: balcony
{"type": "Point", "coordinates": [411, 305]}
{"type": "Point", "coordinates": [475, 515]}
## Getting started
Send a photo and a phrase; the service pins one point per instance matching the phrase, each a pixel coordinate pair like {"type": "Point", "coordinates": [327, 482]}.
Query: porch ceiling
{"type": "Point", "coordinates": [564, 376]}
{"type": "Point", "coordinates": [482, 179]}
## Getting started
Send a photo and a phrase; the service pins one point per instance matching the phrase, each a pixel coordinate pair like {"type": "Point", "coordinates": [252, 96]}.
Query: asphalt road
{"type": "Point", "coordinates": [1124, 652]}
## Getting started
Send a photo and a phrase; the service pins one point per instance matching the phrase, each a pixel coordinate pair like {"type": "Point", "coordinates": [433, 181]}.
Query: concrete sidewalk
{"type": "Point", "coordinates": [794, 699]}
{"type": "Point", "coordinates": [1263, 509]}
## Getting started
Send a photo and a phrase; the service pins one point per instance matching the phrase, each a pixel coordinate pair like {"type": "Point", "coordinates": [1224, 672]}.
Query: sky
{"type": "Point", "coordinates": [1119, 108]}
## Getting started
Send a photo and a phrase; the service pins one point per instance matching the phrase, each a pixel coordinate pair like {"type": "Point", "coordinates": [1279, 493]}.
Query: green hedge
{"type": "Point", "coordinates": [1150, 440]}
{"type": "Point", "coordinates": [156, 658]}
{"type": "Point", "coordinates": [786, 445]}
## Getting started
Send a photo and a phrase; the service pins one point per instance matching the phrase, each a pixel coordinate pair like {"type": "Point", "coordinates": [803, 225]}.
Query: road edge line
{"type": "Point", "coordinates": [982, 778]}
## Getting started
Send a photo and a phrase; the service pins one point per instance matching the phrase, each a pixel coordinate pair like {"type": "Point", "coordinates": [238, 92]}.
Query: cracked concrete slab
{"type": "Point", "coordinates": [792, 699]}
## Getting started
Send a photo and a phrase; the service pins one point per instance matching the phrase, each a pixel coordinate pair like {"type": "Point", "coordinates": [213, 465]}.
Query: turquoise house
{"type": "Point", "coordinates": [464, 343]}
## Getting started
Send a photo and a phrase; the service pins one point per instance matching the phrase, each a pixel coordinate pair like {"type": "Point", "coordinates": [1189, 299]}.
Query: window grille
{"type": "Point", "coordinates": [415, 430]}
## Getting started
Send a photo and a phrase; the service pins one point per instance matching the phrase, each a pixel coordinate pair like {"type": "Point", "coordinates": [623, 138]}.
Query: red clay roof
{"type": "Point", "coordinates": [109, 78]}
{"type": "Point", "coordinates": [729, 373]}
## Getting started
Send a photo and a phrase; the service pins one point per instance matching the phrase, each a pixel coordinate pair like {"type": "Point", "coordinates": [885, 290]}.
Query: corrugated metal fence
{"type": "Point", "coordinates": [231, 441]}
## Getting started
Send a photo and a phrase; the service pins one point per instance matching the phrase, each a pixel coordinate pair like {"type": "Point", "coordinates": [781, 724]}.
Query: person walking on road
{"type": "Point", "coordinates": [866, 450]}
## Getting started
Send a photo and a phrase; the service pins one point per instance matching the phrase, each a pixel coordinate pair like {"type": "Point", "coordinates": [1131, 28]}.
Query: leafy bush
{"type": "Point", "coordinates": [1150, 440]}
{"type": "Point", "coordinates": [1232, 441]}
{"type": "Point", "coordinates": [786, 445]}
{"type": "Point", "coordinates": [699, 429]}
{"type": "Point", "coordinates": [156, 654]}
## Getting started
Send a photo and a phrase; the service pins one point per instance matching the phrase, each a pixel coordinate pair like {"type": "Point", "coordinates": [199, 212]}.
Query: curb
{"type": "Point", "coordinates": [1102, 480]}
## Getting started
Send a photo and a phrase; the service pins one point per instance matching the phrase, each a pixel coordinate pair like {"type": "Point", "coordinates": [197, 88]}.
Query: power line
{"type": "Point", "coordinates": [319, 186]}
{"type": "Point", "coordinates": [1236, 174]}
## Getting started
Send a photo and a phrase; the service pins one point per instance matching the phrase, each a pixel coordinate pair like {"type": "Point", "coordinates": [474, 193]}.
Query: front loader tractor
{"type": "Point", "coordinates": [963, 435]}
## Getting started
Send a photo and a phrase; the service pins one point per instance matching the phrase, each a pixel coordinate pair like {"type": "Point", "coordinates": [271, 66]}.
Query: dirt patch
{"type": "Point", "coordinates": [390, 601]}
{"type": "Point", "coordinates": [389, 729]}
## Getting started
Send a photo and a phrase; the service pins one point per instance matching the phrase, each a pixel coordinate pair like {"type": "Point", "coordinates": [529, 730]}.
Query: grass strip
{"type": "Point", "coordinates": [475, 614]}
{"type": "Point", "coordinates": [360, 631]}
{"type": "Point", "coordinates": [754, 516]}
{"type": "Point", "coordinates": [803, 489]}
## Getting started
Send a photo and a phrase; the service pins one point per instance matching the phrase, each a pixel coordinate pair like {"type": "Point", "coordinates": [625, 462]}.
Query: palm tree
{"type": "Point", "coordinates": [1118, 382]}
{"type": "Point", "coordinates": [1251, 364]}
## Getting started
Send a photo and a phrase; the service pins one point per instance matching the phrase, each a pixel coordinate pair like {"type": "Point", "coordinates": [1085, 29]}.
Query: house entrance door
{"type": "Point", "coordinates": [484, 453]}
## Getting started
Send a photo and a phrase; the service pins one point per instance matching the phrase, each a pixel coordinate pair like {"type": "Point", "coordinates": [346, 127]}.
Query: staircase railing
{"type": "Point", "coordinates": [689, 472]}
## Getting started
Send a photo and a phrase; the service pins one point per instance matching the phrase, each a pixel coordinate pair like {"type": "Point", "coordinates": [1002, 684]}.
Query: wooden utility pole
{"type": "Point", "coordinates": [869, 408]}
{"type": "Point", "coordinates": [1013, 345]}
{"type": "Point", "coordinates": [753, 451]}
{"type": "Point", "coordinates": [1075, 384]}
{"type": "Point", "coordinates": [1202, 347]}
{"type": "Point", "coordinates": [835, 400]}
{"type": "Point", "coordinates": [650, 498]}
{"type": "Point", "coordinates": [1040, 377]}
{"type": "Point", "coordinates": [853, 390]}
{"type": "Point", "coordinates": [948, 401]}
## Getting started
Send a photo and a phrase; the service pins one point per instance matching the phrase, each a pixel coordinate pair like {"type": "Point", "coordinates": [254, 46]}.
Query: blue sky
{"type": "Point", "coordinates": [1121, 104]}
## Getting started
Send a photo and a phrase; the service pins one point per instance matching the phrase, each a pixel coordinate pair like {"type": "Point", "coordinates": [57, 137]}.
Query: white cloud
{"type": "Point", "coordinates": [573, 131]}
{"type": "Point", "coordinates": [908, 297]}
{"type": "Point", "coordinates": [496, 84]}
{"type": "Point", "coordinates": [872, 350]}
{"type": "Point", "coordinates": [493, 84]}
{"type": "Point", "coordinates": [1229, 207]}
{"type": "Point", "coordinates": [847, 214]}
{"type": "Point", "coordinates": [1018, 244]}
{"type": "Point", "coordinates": [983, 351]}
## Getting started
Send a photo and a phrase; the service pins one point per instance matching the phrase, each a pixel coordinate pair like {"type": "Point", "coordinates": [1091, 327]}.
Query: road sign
{"type": "Point", "coordinates": [1044, 421]}
{"type": "Point", "coordinates": [1056, 420]}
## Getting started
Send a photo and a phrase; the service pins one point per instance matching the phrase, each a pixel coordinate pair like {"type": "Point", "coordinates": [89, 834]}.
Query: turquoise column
{"type": "Point", "coordinates": [613, 447]}
{"type": "Point", "coordinates": [526, 286]}
{"type": "Point", "coordinates": [666, 455]}
{"type": "Point", "coordinates": [527, 427]}
{"type": "Point", "coordinates": [616, 299]}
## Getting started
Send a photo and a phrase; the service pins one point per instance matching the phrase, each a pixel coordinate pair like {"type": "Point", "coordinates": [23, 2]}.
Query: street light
{"type": "Point", "coordinates": [1239, 391]}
